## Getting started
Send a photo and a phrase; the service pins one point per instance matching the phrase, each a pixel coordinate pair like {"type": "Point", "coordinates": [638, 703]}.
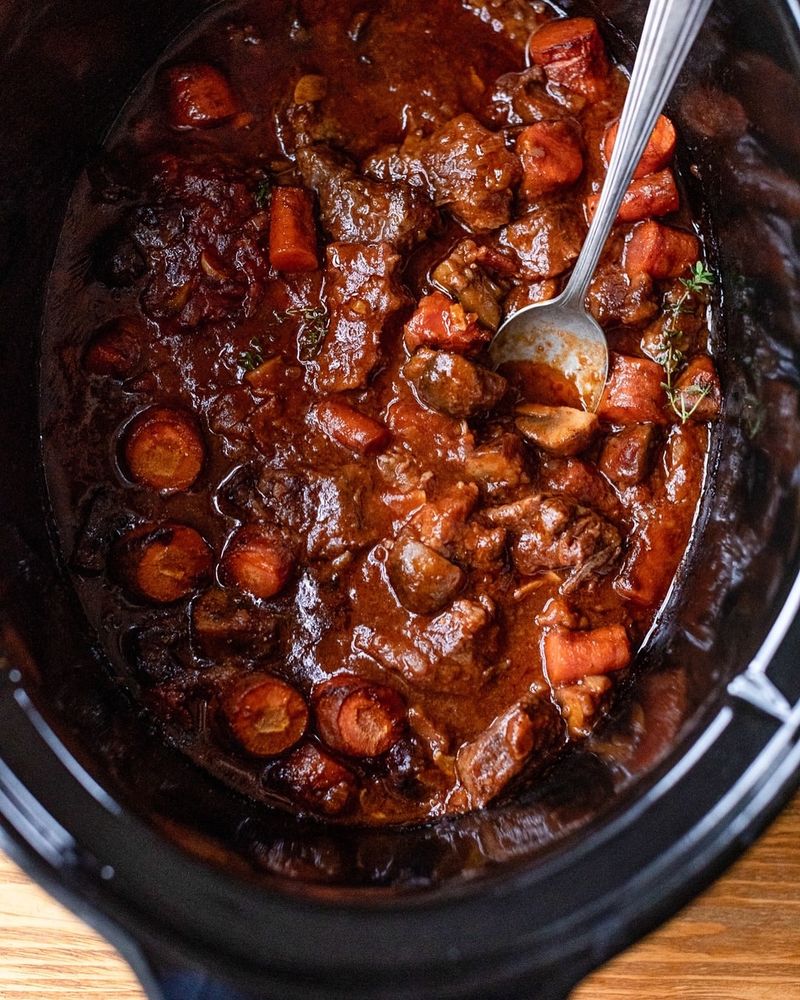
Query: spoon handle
{"type": "Point", "coordinates": [669, 30]}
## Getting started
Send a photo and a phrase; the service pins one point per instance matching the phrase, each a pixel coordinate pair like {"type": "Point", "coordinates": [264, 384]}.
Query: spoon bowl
{"type": "Point", "coordinates": [557, 336]}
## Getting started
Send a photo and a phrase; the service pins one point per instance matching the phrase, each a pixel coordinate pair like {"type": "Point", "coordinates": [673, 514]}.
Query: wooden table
{"type": "Point", "coordinates": [739, 941]}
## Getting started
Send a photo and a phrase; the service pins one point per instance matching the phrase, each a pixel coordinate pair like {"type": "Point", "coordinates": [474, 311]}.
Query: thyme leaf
{"type": "Point", "coordinates": [254, 358]}
{"type": "Point", "coordinates": [313, 327]}
{"type": "Point", "coordinates": [262, 193]}
{"type": "Point", "coordinates": [684, 402]}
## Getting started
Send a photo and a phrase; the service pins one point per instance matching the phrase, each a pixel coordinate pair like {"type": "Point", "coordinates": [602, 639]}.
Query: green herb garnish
{"type": "Point", "coordinates": [671, 357]}
{"type": "Point", "coordinates": [262, 193]}
{"type": "Point", "coordinates": [313, 326]}
{"type": "Point", "coordinates": [254, 358]}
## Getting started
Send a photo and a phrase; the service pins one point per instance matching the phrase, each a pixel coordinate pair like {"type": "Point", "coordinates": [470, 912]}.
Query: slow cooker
{"type": "Point", "coordinates": [208, 898]}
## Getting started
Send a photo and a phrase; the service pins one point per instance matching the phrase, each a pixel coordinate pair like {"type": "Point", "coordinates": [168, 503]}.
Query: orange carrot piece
{"type": "Point", "coordinates": [570, 656]}
{"type": "Point", "coordinates": [655, 194]}
{"type": "Point", "coordinates": [351, 428]}
{"type": "Point", "coordinates": [440, 322]}
{"type": "Point", "coordinates": [657, 153]}
{"type": "Point", "coordinates": [292, 234]}
{"type": "Point", "coordinates": [573, 54]}
{"type": "Point", "coordinates": [634, 392]}
{"type": "Point", "coordinates": [551, 157]}
{"type": "Point", "coordinates": [659, 251]}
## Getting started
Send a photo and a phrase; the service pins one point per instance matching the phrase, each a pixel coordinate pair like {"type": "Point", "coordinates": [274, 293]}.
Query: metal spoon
{"type": "Point", "coordinates": [560, 333]}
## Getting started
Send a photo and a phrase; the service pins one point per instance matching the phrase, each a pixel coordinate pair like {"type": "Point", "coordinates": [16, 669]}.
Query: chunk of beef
{"type": "Point", "coordinates": [450, 654]}
{"type": "Point", "coordinates": [357, 209]}
{"type": "Point", "coordinates": [614, 297]}
{"type": "Point", "coordinates": [520, 99]}
{"type": "Point", "coordinates": [471, 173]}
{"type": "Point", "coordinates": [363, 294]}
{"type": "Point", "coordinates": [327, 512]}
{"type": "Point", "coordinates": [200, 238]}
{"type": "Point", "coordinates": [488, 763]}
{"type": "Point", "coordinates": [556, 533]}
{"type": "Point", "coordinates": [451, 384]}
{"type": "Point", "coordinates": [225, 627]}
{"type": "Point", "coordinates": [461, 274]}
{"type": "Point", "coordinates": [498, 465]}
{"type": "Point", "coordinates": [626, 455]}
{"type": "Point", "coordinates": [582, 704]}
{"type": "Point", "coordinates": [697, 390]}
{"type": "Point", "coordinates": [545, 242]}
{"type": "Point", "coordinates": [580, 481]}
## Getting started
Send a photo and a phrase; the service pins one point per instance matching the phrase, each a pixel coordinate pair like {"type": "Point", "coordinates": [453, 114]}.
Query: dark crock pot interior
{"type": "Point", "coordinates": [66, 69]}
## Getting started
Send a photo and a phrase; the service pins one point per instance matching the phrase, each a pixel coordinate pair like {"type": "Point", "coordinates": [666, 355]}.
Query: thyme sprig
{"type": "Point", "coordinates": [684, 402]}
{"type": "Point", "coordinates": [254, 358]}
{"type": "Point", "coordinates": [314, 326]}
{"type": "Point", "coordinates": [262, 193]}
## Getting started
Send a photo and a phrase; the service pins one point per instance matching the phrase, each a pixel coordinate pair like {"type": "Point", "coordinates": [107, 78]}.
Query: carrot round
{"type": "Point", "coordinates": [657, 153]}
{"type": "Point", "coordinates": [292, 234]}
{"type": "Point", "coordinates": [659, 251]}
{"type": "Point", "coordinates": [265, 714]}
{"type": "Point", "coordinates": [257, 561]}
{"type": "Point", "coordinates": [163, 449]}
{"type": "Point", "coordinates": [163, 563]}
{"type": "Point", "coordinates": [358, 718]}
{"type": "Point", "coordinates": [655, 194]}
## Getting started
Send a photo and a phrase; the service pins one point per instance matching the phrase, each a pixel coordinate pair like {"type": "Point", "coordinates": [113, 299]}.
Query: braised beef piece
{"type": "Point", "coordinates": [226, 626]}
{"type": "Point", "coordinates": [200, 236]}
{"type": "Point", "coordinates": [558, 534]}
{"type": "Point", "coordinates": [545, 242]}
{"type": "Point", "coordinates": [488, 763]}
{"type": "Point", "coordinates": [363, 294]}
{"type": "Point", "coordinates": [356, 209]}
{"type": "Point", "coordinates": [520, 99]}
{"type": "Point", "coordinates": [450, 653]}
{"type": "Point", "coordinates": [471, 173]}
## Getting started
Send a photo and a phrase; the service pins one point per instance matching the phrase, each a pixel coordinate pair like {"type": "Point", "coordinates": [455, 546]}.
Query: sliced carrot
{"type": "Point", "coordinates": [659, 251]}
{"type": "Point", "coordinates": [440, 322]}
{"type": "Point", "coordinates": [200, 96]}
{"type": "Point", "coordinates": [573, 54]}
{"type": "Point", "coordinates": [655, 194]}
{"type": "Point", "coordinates": [292, 234]}
{"type": "Point", "coordinates": [163, 449]}
{"type": "Point", "coordinates": [164, 562]}
{"type": "Point", "coordinates": [657, 153]}
{"type": "Point", "coordinates": [351, 428]}
{"type": "Point", "coordinates": [265, 714]}
{"type": "Point", "coordinates": [257, 561]}
{"type": "Point", "coordinates": [634, 392]}
{"type": "Point", "coordinates": [569, 656]}
{"type": "Point", "coordinates": [358, 718]}
{"type": "Point", "coordinates": [551, 157]}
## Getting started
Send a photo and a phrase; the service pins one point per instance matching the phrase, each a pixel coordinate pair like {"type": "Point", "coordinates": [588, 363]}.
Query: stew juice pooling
{"type": "Point", "coordinates": [346, 565]}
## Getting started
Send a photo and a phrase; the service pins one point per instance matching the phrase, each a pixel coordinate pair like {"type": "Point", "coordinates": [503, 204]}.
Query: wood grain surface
{"type": "Point", "coordinates": [739, 941]}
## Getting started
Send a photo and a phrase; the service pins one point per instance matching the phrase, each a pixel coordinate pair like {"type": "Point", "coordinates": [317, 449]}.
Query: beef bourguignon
{"type": "Point", "coordinates": [345, 564]}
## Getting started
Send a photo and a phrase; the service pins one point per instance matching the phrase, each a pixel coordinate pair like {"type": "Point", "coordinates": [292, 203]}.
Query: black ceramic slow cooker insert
{"type": "Point", "coordinates": [207, 897]}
